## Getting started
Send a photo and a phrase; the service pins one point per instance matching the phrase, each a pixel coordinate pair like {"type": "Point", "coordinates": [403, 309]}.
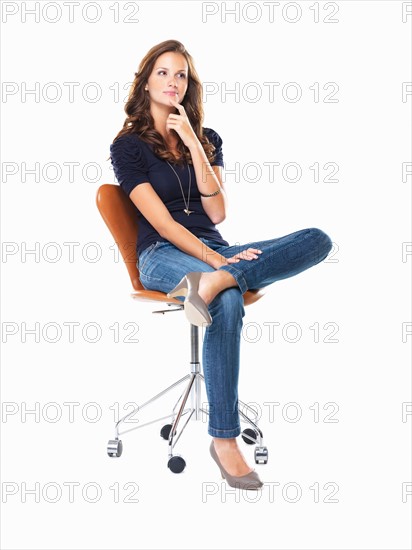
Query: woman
{"type": "Point", "coordinates": [171, 168]}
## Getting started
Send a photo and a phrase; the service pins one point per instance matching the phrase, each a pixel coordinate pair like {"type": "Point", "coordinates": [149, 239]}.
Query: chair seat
{"type": "Point", "coordinates": [249, 297]}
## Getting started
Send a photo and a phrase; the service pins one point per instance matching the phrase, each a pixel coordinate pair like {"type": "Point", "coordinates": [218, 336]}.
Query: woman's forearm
{"type": "Point", "coordinates": [182, 238]}
{"type": "Point", "coordinates": [207, 183]}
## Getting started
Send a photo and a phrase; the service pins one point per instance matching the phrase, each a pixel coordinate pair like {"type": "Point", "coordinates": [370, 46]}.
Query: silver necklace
{"type": "Point", "coordinates": [185, 210]}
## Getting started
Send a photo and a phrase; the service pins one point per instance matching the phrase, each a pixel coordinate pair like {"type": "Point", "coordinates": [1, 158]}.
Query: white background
{"type": "Point", "coordinates": [363, 289]}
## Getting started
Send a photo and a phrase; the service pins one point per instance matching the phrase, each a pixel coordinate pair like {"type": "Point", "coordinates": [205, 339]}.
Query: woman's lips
{"type": "Point", "coordinates": [170, 93]}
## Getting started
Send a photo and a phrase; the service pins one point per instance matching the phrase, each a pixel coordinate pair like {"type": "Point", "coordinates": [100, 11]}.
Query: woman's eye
{"type": "Point", "coordinates": [182, 75]}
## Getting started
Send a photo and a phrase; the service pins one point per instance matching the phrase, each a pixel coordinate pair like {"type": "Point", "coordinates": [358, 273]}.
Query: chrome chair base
{"type": "Point", "coordinates": [176, 463]}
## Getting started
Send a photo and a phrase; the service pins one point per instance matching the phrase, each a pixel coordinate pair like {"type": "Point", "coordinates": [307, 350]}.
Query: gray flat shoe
{"type": "Point", "coordinates": [248, 481]}
{"type": "Point", "coordinates": [195, 308]}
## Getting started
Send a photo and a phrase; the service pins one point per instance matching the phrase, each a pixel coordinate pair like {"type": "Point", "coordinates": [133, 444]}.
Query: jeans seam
{"type": "Point", "coordinates": [238, 275]}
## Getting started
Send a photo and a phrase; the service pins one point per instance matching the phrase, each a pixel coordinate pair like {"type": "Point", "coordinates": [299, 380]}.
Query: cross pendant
{"type": "Point", "coordinates": [188, 212]}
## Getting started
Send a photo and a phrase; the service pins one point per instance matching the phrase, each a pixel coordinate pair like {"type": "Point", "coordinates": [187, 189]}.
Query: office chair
{"type": "Point", "coordinates": [120, 216]}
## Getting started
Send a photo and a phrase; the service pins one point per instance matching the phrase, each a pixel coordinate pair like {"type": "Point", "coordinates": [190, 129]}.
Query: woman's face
{"type": "Point", "coordinates": [169, 79]}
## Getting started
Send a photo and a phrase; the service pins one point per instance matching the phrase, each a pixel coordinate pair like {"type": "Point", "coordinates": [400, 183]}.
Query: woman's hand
{"type": "Point", "coordinates": [181, 124]}
{"type": "Point", "coordinates": [248, 254]}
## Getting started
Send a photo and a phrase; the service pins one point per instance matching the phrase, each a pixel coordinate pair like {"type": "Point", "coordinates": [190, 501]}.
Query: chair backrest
{"type": "Point", "coordinates": [120, 216]}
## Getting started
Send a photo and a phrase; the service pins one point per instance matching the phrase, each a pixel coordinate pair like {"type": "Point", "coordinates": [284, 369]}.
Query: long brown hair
{"type": "Point", "coordinates": [139, 120]}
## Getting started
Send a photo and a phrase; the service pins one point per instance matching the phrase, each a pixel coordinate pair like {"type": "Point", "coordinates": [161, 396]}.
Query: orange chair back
{"type": "Point", "coordinates": [120, 216]}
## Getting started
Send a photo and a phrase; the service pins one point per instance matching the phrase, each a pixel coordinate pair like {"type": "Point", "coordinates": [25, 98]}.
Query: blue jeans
{"type": "Point", "coordinates": [162, 265]}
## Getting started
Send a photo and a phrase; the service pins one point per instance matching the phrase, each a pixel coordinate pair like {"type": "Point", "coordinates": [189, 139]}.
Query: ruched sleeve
{"type": "Point", "coordinates": [129, 163]}
{"type": "Point", "coordinates": [217, 142]}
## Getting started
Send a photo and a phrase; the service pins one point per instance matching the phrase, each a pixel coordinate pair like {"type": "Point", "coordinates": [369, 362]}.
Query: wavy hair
{"type": "Point", "coordinates": [139, 120]}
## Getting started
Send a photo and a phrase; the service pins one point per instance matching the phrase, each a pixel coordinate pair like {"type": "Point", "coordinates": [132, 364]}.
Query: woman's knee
{"type": "Point", "coordinates": [228, 307]}
{"type": "Point", "coordinates": [322, 243]}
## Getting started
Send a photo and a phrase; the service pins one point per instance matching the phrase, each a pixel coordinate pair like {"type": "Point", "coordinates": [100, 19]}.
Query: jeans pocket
{"type": "Point", "coordinates": [145, 255]}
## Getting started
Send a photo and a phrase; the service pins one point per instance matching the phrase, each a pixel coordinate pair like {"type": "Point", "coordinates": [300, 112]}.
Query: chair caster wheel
{"type": "Point", "coordinates": [114, 448]}
{"type": "Point", "coordinates": [176, 464]}
{"type": "Point", "coordinates": [249, 436]}
{"type": "Point", "coordinates": [165, 431]}
{"type": "Point", "coordinates": [261, 455]}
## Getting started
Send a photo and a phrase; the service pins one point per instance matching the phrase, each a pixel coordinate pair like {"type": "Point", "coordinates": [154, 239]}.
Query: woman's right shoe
{"type": "Point", "coordinates": [195, 308]}
{"type": "Point", "coordinates": [248, 481]}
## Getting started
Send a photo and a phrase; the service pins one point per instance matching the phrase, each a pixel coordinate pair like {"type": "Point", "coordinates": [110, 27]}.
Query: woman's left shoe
{"type": "Point", "coordinates": [195, 308]}
{"type": "Point", "coordinates": [247, 481]}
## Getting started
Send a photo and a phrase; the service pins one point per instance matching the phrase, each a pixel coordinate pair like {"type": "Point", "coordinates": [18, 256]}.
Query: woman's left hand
{"type": "Point", "coordinates": [248, 254]}
{"type": "Point", "coordinates": [181, 124]}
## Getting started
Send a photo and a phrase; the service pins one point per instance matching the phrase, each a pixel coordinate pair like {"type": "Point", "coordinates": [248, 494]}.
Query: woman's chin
{"type": "Point", "coordinates": [165, 101]}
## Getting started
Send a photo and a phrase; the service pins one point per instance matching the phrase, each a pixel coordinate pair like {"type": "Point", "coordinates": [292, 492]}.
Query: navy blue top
{"type": "Point", "coordinates": [134, 162]}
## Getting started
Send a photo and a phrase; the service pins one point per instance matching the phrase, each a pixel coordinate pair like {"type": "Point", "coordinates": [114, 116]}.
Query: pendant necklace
{"type": "Point", "coordinates": [185, 210]}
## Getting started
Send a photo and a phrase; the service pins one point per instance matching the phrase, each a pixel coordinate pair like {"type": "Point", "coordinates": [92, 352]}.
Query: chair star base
{"type": "Point", "coordinates": [181, 412]}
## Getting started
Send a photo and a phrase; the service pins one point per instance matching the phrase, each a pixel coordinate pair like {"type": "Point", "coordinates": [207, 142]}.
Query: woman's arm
{"type": "Point", "coordinates": [153, 209]}
{"type": "Point", "coordinates": [209, 180]}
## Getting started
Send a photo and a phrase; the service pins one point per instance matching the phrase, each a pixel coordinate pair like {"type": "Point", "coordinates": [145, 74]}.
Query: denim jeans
{"type": "Point", "coordinates": [162, 265]}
